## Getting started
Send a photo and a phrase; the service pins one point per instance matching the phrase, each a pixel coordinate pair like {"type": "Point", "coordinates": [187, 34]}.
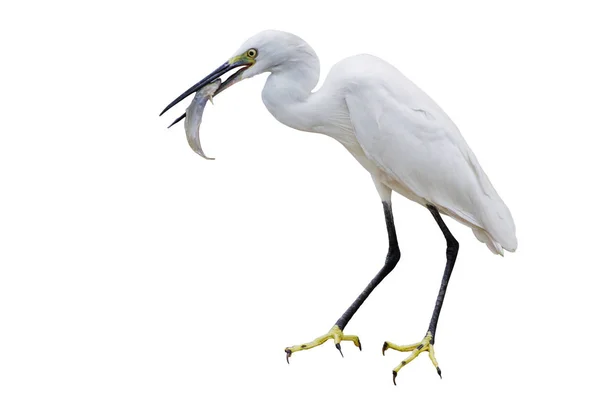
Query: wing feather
{"type": "Point", "coordinates": [409, 138]}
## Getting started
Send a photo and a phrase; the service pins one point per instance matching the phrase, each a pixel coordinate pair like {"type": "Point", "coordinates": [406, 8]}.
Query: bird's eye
{"type": "Point", "coordinates": [252, 53]}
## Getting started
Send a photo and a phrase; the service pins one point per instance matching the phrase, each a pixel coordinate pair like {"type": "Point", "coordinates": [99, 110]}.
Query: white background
{"type": "Point", "coordinates": [130, 268]}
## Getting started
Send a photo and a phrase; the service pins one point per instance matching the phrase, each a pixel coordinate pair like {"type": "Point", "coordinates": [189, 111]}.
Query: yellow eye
{"type": "Point", "coordinates": [252, 53]}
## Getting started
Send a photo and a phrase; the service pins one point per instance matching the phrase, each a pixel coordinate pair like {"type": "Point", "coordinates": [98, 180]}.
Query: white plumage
{"type": "Point", "coordinates": [397, 132]}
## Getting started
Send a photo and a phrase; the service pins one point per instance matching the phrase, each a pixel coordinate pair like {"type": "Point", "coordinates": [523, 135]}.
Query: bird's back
{"type": "Point", "coordinates": [418, 149]}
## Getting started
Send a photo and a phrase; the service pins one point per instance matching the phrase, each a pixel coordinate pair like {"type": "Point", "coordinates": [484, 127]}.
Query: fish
{"type": "Point", "coordinates": [193, 116]}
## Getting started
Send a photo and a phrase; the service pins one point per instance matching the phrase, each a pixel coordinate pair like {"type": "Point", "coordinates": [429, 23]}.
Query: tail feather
{"type": "Point", "coordinates": [498, 224]}
{"type": "Point", "coordinates": [484, 237]}
{"type": "Point", "coordinates": [496, 227]}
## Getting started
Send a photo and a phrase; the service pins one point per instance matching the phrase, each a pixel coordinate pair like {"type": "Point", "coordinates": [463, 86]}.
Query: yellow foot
{"type": "Point", "coordinates": [417, 348]}
{"type": "Point", "coordinates": [335, 333]}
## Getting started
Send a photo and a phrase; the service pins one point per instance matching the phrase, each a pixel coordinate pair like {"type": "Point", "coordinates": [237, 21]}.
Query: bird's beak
{"type": "Point", "coordinates": [239, 61]}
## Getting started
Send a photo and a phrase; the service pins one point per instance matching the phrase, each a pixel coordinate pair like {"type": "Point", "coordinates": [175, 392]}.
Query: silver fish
{"type": "Point", "coordinates": [193, 116]}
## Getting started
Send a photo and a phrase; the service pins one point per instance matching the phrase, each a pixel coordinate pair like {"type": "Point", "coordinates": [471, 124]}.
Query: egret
{"type": "Point", "coordinates": [396, 132]}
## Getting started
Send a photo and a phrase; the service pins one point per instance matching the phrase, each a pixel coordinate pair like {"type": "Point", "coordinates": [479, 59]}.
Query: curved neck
{"type": "Point", "coordinates": [288, 90]}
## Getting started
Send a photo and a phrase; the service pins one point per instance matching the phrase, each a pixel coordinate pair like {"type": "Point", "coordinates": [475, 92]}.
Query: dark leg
{"type": "Point", "coordinates": [451, 253]}
{"type": "Point", "coordinates": [393, 256]}
{"type": "Point", "coordinates": [427, 343]}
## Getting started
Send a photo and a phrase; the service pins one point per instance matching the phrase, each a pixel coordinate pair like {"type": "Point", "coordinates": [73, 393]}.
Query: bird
{"type": "Point", "coordinates": [407, 143]}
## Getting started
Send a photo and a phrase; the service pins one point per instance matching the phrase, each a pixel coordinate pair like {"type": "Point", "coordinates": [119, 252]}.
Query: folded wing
{"type": "Point", "coordinates": [414, 143]}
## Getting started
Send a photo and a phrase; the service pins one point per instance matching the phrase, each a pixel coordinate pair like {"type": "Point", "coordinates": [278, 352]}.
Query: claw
{"type": "Point", "coordinates": [359, 345]}
{"type": "Point", "coordinates": [288, 354]}
{"type": "Point", "coordinates": [384, 348]}
{"type": "Point", "coordinates": [394, 374]}
{"type": "Point", "coordinates": [439, 371]}
{"type": "Point", "coordinates": [339, 347]}
{"type": "Point", "coordinates": [211, 100]}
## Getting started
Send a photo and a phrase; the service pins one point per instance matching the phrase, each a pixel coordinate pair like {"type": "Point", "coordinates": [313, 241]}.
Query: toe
{"type": "Point", "coordinates": [288, 354]}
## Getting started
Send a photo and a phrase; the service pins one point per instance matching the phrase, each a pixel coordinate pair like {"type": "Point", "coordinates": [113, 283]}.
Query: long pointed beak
{"type": "Point", "coordinates": [228, 66]}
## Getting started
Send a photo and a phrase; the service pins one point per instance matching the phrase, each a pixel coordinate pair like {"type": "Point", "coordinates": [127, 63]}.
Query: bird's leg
{"type": "Point", "coordinates": [336, 333]}
{"type": "Point", "coordinates": [427, 343]}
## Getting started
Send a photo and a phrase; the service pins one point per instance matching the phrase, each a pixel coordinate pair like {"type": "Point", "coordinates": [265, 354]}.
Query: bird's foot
{"type": "Point", "coordinates": [334, 333]}
{"type": "Point", "coordinates": [417, 348]}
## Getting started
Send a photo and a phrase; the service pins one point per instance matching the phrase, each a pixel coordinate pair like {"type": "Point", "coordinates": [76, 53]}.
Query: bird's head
{"type": "Point", "coordinates": [267, 51]}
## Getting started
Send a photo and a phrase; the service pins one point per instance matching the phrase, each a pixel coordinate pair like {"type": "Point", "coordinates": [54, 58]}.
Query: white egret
{"type": "Point", "coordinates": [396, 132]}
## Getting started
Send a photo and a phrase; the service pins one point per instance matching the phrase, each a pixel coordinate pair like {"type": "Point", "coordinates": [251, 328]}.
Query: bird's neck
{"type": "Point", "coordinates": [287, 93]}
